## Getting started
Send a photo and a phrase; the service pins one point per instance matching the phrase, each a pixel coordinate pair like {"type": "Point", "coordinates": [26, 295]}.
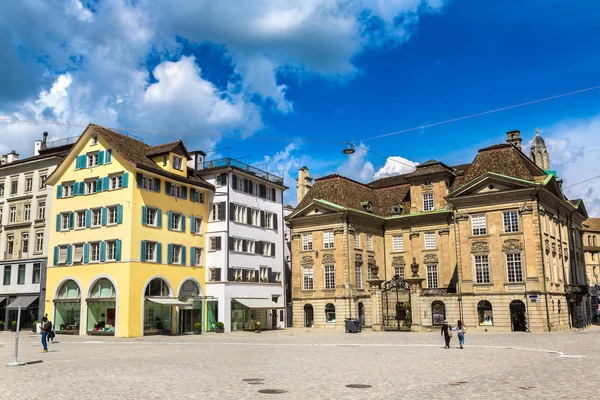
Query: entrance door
{"type": "Point", "coordinates": [273, 319]}
{"type": "Point", "coordinates": [185, 321]}
{"type": "Point", "coordinates": [517, 316]}
{"type": "Point", "coordinates": [361, 313]}
{"type": "Point", "coordinates": [308, 315]}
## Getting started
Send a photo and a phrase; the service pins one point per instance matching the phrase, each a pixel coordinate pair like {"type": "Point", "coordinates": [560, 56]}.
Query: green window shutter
{"type": "Point", "coordinates": [76, 189]}
{"type": "Point", "coordinates": [86, 253]}
{"type": "Point", "coordinates": [58, 222]}
{"type": "Point", "coordinates": [69, 254]}
{"type": "Point", "coordinates": [193, 256]}
{"type": "Point", "coordinates": [102, 251]}
{"type": "Point", "coordinates": [125, 179]}
{"type": "Point", "coordinates": [192, 224]}
{"type": "Point", "coordinates": [168, 188]}
{"type": "Point", "coordinates": [108, 156]}
{"type": "Point", "coordinates": [106, 183]}
{"type": "Point", "coordinates": [71, 220]}
{"type": "Point", "coordinates": [159, 218]}
{"type": "Point", "coordinates": [157, 185]}
{"type": "Point", "coordinates": [88, 218]}
{"type": "Point", "coordinates": [184, 191]}
{"type": "Point", "coordinates": [103, 216]}
{"type": "Point", "coordinates": [118, 250]}
{"type": "Point", "coordinates": [99, 185]}
{"type": "Point", "coordinates": [100, 157]}
{"type": "Point", "coordinates": [183, 255]}
{"type": "Point", "coordinates": [169, 253]}
{"type": "Point", "coordinates": [56, 251]}
{"type": "Point", "coordinates": [159, 253]}
{"type": "Point", "coordinates": [80, 161]}
{"type": "Point", "coordinates": [182, 223]}
{"type": "Point", "coordinates": [193, 194]}
{"type": "Point", "coordinates": [138, 179]}
{"type": "Point", "coordinates": [59, 192]}
{"type": "Point", "coordinates": [143, 251]}
{"type": "Point", "coordinates": [119, 214]}
{"type": "Point", "coordinates": [144, 215]}
{"type": "Point", "coordinates": [169, 215]}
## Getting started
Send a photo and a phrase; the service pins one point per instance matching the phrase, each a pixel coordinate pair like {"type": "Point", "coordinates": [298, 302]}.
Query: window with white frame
{"type": "Point", "coordinates": [430, 240]}
{"type": "Point", "coordinates": [27, 212]}
{"type": "Point", "coordinates": [482, 268]}
{"type": "Point", "coordinates": [39, 242]}
{"type": "Point", "coordinates": [329, 277]}
{"type": "Point", "coordinates": [176, 254]}
{"type": "Point", "coordinates": [43, 180]}
{"type": "Point", "coordinates": [147, 183]}
{"type": "Point", "coordinates": [12, 214]}
{"type": "Point", "coordinates": [198, 256]}
{"type": "Point", "coordinates": [215, 215]}
{"type": "Point", "coordinates": [14, 186]}
{"type": "Point", "coordinates": [358, 275]}
{"type": "Point", "coordinates": [514, 267]}
{"type": "Point", "coordinates": [432, 276]}
{"type": "Point", "coordinates": [214, 243]}
{"type": "Point", "coordinates": [239, 213]}
{"type": "Point", "coordinates": [80, 217]}
{"type": "Point", "coordinates": [370, 242]}
{"type": "Point", "coordinates": [511, 221]}
{"type": "Point", "coordinates": [24, 243]}
{"type": "Point", "coordinates": [10, 244]}
{"type": "Point", "coordinates": [95, 252]}
{"type": "Point", "coordinates": [397, 243]}
{"type": "Point", "coordinates": [78, 253]}
{"type": "Point", "coordinates": [116, 182]}
{"type": "Point", "coordinates": [269, 220]}
{"type": "Point", "coordinates": [111, 250]}
{"type": "Point", "coordinates": [307, 241]}
{"type": "Point", "coordinates": [151, 216]}
{"type": "Point", "coordinates": [428, 202]}
{"type": "Point", "coordinates": [96, 217]}
{"type": "Point", "coordinates": [29, 184]}
{"type": "Point", "coordinates": [150, 251]}
{"type": "Point", "coordinates": [356, 240]}
{"type": "Point", "coordinates": [41, 212]}
{"type": "Point", "coordinates": [62, 254]}
{"type": "Point", "coordinates": [479, 224]}
{"type": "Point", "coordinates": [177, 163]}
{"type": "Point", "coordinates": [64, 222]}
{"type": "Point", "coordinates": [112, 215]}
{"type": "Point", "coordinates": [264, 273]}
{"type": "Point", "coordinates": [399, 272]}
{"type": "Point", "coordinates": [176, 221]}
{"type": "Point", "coordinates": [308, 278]}
{"type": "Point", "coordinates": [1, 189]}
{"type": "Point", "coordinates": [92, 159]}
{"type": "Point", "coordinates": [212, 275]}
{"type": "Point", "coordinates": [267, 248]}
{"type": "Point", "coordinates": [328, 240]}
{"type": "Point", "coordinates": [250, 246]}
{"type": "Point", "coordinates": [255, 217]}
{"type": "Point", "coordinates": [67, 190]}
{"type": "Point", "coordinates": [197, 225]}
{"type": "Point", "coordinates": [237, 244]}
{"type": "Point", "coordinates": [90, 186]}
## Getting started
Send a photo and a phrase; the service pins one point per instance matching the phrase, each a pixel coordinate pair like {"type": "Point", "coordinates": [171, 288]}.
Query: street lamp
{"type": "Point", "coordinates": [349, 150]}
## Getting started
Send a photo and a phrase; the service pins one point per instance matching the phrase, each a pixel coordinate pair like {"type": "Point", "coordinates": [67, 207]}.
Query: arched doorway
{"type": "Point", "coordinates": [309, 319]}
{"type": "Point", "coordinates": [190, 314]}
{"type": "Point", "coordinates": [517, 316]}
{"type": "Point", "coordinates": [157, 307]}
{"type": "Point", "coordinates": [102, 305]}
{"type": "Point", "coordinates": [361, 313]}
{"type": "Point", "coordinates": [67, 308]}
{"type": "Point", "coordinates": [329, 313]}
{"type": "Point", "coordinates": [438, 312]}
{"type": "Point", "coordinates": [484, 312]}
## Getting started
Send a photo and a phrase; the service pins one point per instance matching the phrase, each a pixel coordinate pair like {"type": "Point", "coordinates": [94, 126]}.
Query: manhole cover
{"type": "Point", "coordinates": [457, 383]}
{"type": "Point", "coordinates": [272, 391]}
{"type": "Point", "coordinates": [253, 379]}
{"type": "Point", "coordinates": [358, 386]}
{"type": "Point", "coordinates": [256, 383]}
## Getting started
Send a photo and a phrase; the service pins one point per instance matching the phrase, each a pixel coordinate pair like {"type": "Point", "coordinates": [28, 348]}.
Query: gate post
{"type": "Point", "coordinates": [416, 290]}
{"type": "Point", "coordinates": [376, 308]}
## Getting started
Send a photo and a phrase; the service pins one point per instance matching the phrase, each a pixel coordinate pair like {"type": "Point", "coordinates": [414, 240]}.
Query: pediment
{"type": "Point", "coordinates": [490, 183]}
{"type": "Point", "coordinates": [316, 207]}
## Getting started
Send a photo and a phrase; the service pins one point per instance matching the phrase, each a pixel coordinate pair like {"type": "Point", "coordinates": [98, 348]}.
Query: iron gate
{"type": "Point", "coordinates": [395, 298]}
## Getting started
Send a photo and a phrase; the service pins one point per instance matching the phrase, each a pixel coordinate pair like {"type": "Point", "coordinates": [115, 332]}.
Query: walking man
{"type": "Point", "coordinates": [446, 332]}
{"type": "Point", "coordinates": [44, 327]}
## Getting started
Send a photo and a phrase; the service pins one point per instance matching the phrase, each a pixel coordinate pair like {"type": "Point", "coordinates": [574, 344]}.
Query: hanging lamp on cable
{"type": "Point", "coordinates": [349, 150]}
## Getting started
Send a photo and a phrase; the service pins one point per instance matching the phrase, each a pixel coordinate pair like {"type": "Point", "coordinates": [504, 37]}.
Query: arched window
{"type": "Point", "coordinates": [438, 312]}
{"type": "Point", "coordinates": [189, 289]}
{"type": "Point", "coordinates": [103, 288]}
{"type": "Point", "coordinates": [484, 311]}
{"type": "Point", "coordinates": [559, 307]}
{"type": "Point", "coordinates": [157, 287]}
{"type": "Point", "coordinates": [330, 312]}
{"type": "Point", "coordinates": [589, 240]}
{"type": "Point", "coordinates": [308, 315]}
{"type": "Point", "coordinates": [69, 290]}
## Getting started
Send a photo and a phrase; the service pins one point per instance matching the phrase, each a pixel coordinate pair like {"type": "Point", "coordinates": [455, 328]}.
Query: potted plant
{"type": "Point", "coordinates": [197, 328]}
{"type": "Point", "coordinates": [1, 325]}
{"type": "Point", "coordinates": [35, 324]}
{"type": "Point", "coordinates": [13, 326]}
{"type": "Point", "coordinates": [219, 327]}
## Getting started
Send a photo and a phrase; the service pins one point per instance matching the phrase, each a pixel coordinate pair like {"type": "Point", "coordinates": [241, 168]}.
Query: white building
{"type": "Point", "coordinates": [24, 204]}
{"type": "Point", "coordinates": [287, 259]}
{"type": "Point", "coordinates": [244, 245]}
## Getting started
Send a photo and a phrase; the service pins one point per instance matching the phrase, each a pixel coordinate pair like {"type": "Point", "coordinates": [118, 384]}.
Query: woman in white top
{"type": "Point", "coordinates": [460, 331]}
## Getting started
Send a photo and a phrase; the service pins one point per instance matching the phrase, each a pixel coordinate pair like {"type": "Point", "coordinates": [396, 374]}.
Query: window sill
{"type": "Point", "coordinates": [511, 233]}
{"type": "Point", "coordinates": [307, 251]}
{"type": "Point", "coordinates": [328, 249]}
{"type": "Point", "coordinates": [398, 252]}
{"type": "Point", "coordinates": [483, 284]}
{"type": "Point", "coordinates": [486, 236]}
{"type": "Point", "coordinates": [436, 249]}
{"type": "Point", "coordinates": [329, 290]}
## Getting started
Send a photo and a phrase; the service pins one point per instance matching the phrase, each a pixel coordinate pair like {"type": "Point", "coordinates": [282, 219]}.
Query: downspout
{"type": "Point", "coordinates": [537, 196]}
{"type": "Point", "coordinates": [227, 219]}
{"type": "Point", "coordinates": [562, 259]}
{"type": "Point", "coordinates": [348, 251]}
{"type": "Point", "coordinates": [384, 252]}
{"type": "Point", "coordinates": [283, 263]}
{"type": "Point", "coordinates": [458, 265]}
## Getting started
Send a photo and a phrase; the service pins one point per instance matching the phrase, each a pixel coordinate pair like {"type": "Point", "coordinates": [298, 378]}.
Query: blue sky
{"type": "Point", "coordinates": [319, 70]}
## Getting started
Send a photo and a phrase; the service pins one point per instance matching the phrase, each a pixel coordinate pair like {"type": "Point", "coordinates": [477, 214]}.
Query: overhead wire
{"type": "Point", "coordinates": [579, 183]}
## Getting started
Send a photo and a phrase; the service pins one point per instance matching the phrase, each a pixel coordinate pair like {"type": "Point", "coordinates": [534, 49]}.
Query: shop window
{"type": "Point", "coordinates": [189, 289]}
{"type": "Point", "coordinates": [438, 312]}
{"type": "Point", "coordinates": [330, 312]}
{"type": "Point", "coordinates": [484, 311]}
{"type": "Point", "coordinates": [103, 288]}
{"type": "Point", "coordinates": [157, 288]}
{"type": "Point", "coordinates": [36, 273]}
{"type": "Point", "coordinates": [69, 290]}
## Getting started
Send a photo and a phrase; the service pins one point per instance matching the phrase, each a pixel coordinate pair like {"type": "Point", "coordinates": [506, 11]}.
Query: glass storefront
{"type": "Point", "coordinates": [243, 318]}
{"type": "Point", "coordinates": [157, 318]}
{"type": "Point", "coordinates": [101, 315]}
{"type": "Point", "coordinates": [67, 308]}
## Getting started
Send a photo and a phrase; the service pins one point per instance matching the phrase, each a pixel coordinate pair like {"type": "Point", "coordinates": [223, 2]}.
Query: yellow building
{"type": "Point", "coordinates": [126, 255]}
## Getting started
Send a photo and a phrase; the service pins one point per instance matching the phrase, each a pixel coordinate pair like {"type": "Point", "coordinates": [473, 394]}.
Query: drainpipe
{"type": "Point", "coordinates": [458, 265]}
{"type": "Point", "coordinates": [348, 251]}
{"type": "Point", "coordinates": [537, 196]}
{"type": "Point", "coordinates": [384, 253]}
{"type": "Point", "coordinates": [562, 258]}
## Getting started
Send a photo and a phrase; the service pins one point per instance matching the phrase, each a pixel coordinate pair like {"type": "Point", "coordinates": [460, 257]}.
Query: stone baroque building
{"type": "Point", "coordinates": [494, 243]}
{"type": "Point", "coordinates": [591, 246]}
{"type": "Point", "coordinates": [25, 201]}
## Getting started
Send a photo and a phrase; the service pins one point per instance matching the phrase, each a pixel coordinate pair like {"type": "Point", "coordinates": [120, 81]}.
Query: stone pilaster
{"type": "Point", "coordinates": [377, 311]}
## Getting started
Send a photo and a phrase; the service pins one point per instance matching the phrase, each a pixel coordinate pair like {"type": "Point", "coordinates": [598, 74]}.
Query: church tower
{"type": "Point", "coordinates": [539, 152]}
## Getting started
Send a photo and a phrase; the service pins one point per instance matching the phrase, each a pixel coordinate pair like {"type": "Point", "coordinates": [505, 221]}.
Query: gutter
{"type": "Point", "coordinates": [348, 250]}
{"type": "Point", "coordinates": [537, 196]}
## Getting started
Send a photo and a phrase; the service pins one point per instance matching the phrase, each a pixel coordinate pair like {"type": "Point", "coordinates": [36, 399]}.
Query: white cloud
{"type": "Point", "coordinates": [357, 166]}
{"type": "Point", "coordinates": [572, 146]}
{"type": "Point", "coordinates": [395, 165]}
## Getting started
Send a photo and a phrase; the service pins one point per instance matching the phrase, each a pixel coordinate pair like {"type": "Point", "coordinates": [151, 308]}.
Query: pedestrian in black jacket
{"type": "Point", "coordinates": [446, 333]}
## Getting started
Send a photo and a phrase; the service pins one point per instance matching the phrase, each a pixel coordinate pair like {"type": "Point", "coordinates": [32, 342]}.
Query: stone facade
{"type": "Point", "coordinates": [591, 246]}
{"type": "Point", "coordinates": [495, 242]}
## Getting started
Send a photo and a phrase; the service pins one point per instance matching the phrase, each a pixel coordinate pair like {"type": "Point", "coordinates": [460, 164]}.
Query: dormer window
{"type": "Point", "coordinates": [367, 206]}
{"type": "Point", "coordinates": [427, 183]}
{"type": "Point", "coordinates": [177, 163]}
{"type": "Point", "coordinates": [428, 202]}
{"type": "Point", "coordinates": [396, 209]}
{"type": "Point", "coordinates": [94, 140]}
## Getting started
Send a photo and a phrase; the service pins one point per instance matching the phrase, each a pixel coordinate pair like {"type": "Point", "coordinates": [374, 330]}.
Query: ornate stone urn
{"type": "Point", "coordinates": [414, 267]}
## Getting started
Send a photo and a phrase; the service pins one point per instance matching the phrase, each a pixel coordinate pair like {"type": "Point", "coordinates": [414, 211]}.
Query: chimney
{"type": "Point", "coordinates": [197, 161]}
{"type": "Point", "coordinates": [514, 138]}
{"type": "Point", "coordinates": [11, 157]}
{"type": "Point", "coordinates": [3, 159]}
{"type": "Point", "coordinates": [303, 183]}
{"type": "Point", "coordinates": [45, 135]}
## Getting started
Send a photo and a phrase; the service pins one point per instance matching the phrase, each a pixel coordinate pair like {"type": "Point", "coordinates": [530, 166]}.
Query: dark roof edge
{"type": "Point", "coordinates": [176, 177]}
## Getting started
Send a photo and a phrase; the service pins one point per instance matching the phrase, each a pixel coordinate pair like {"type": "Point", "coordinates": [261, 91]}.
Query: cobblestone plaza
{"type": "Point", "coordinates": [306, 364]}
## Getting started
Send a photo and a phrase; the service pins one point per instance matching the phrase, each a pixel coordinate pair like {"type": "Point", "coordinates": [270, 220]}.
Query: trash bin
{"type": "Point", "coordinates": [353, 325]}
